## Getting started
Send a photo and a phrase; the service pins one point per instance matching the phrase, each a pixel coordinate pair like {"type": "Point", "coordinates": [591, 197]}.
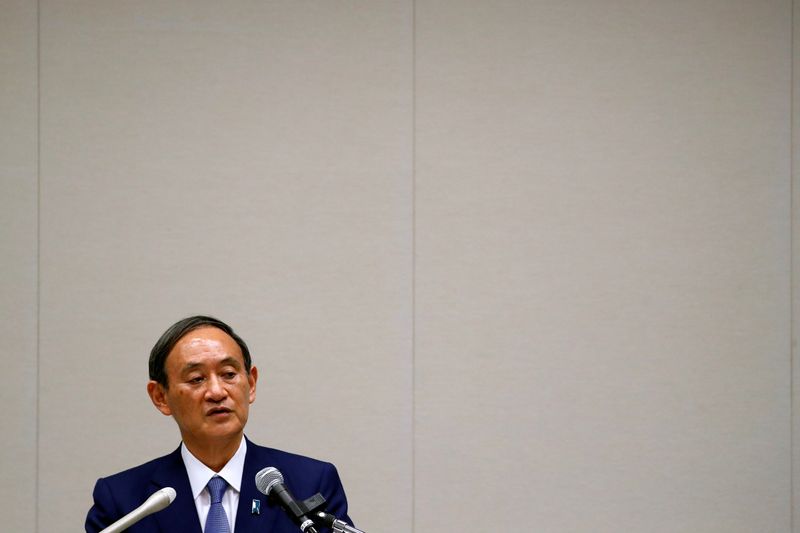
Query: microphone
{"type": "Point", "coordinates": [157, 501]}
{"type": "Point", "coordinates": [269, 481]}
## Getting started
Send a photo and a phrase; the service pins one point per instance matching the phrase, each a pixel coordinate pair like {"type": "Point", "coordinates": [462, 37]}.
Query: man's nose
{"type": "Point", "coordinates": [215, 391]}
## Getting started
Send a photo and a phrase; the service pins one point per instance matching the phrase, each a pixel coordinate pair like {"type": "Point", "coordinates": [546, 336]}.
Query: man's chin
{"type": "Point", "coordinates": [214, 432]}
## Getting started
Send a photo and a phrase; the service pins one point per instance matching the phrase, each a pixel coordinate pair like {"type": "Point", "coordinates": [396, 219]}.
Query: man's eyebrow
{"type": "Point", "coordinates": [231, 361]}
{"type": "Point", "coordinates": [190, 366]}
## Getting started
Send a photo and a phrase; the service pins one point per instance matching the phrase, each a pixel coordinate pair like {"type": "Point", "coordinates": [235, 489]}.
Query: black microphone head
{"type": "Point", "coordinates": [267, 478]}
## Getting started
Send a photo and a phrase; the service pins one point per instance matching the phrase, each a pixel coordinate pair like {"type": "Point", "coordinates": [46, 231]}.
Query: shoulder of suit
{"type": "Point", "coordinates": [286, 458]}
{"type": "Point", "coordinates": [144, 469]}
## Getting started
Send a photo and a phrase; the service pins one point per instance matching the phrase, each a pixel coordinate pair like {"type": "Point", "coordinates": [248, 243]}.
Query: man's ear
{"type": "Point", "coordinates": [158, 396]}
{"type": "Point", "coordinates": [252, 377]}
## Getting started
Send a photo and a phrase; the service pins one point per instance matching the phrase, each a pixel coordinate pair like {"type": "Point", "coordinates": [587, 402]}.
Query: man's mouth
{"type": "Point", "coordinates": [217, 411]}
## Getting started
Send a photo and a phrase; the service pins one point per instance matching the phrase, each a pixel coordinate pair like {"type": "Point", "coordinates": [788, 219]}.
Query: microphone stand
{"type": "Point", "coordinates": [338, 526]}
{"type": "Point", "coordinates": [313, 509]}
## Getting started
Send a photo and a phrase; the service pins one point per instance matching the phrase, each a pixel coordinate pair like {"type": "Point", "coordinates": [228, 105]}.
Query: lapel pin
{"type": "Point", "coordinates": [256, 507]}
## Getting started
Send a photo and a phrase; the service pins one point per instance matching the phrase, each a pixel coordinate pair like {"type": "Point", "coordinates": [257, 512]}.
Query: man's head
{"type": "Point", "coordinates": [167, 341]}
{"type": "Point", "coordinates": [201, 375]}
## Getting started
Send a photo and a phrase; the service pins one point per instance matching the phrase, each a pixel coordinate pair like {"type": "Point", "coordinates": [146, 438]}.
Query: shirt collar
{"type": "Point", "coordinates": [200, 474]}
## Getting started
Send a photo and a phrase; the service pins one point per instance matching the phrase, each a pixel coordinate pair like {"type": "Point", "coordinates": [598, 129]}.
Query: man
{"type": "Point", "coordinates": [201, 375]}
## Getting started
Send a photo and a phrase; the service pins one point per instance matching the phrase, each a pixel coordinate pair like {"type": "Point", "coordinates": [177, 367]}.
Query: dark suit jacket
{"type": "Point", "coordinates": [117, 495]}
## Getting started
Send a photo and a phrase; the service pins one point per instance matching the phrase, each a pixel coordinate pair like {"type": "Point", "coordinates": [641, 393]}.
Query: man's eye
{"type": "Point", "coordinates": [196, 380]}
{"type": "Point", "coordinates": [229, 375]}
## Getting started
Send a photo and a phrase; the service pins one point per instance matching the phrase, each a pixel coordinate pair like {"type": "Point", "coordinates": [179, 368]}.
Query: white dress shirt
{"type": "Point", "coordinates": [200, 474]}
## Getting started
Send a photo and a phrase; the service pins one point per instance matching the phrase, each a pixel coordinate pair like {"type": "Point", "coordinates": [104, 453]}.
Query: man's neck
{"type": "Point", "coordinates": [216, 454]}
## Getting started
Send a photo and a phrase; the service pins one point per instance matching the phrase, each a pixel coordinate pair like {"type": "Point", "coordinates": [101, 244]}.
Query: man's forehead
{"type": "Point", "coordinates": [192, 342]}
{"type": "Point", "coordinates": [206, 334]}
{"type": "Point", "coordinates": [205, 340]}
{"type": "Point", "coordinates": [212, 361]}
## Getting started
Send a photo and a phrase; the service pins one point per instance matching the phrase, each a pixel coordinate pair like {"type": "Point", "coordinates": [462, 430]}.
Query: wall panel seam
{"type": "Point", "coordinates": [413, 263]}
{"type": "Point", "coordinates": [792, 263]}
{"type": "Point", "coordinates": [38, 255]}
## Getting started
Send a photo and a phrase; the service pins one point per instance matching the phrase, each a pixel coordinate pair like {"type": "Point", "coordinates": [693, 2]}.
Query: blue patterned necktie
{"type": "Point", "coordinates": [217, 520]}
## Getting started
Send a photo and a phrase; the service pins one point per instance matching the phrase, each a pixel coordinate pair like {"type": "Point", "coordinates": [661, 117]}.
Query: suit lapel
{"type": "Point", "coordinates": [246, 521]}
{"type": "Point", "coordinates": [181, 515]}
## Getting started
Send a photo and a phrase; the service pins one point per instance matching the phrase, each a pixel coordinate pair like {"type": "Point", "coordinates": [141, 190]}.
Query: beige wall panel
{"type": "Point", "coordinates": [249, 160]}
{"type": "Point", "coordinates": [602, 229]}
{"type": "Point", "coordinates": [18, 245]}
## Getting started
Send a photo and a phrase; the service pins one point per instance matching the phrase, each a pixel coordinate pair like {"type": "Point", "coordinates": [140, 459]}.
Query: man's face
{"type": "Point", "coordinates": [209, 392]}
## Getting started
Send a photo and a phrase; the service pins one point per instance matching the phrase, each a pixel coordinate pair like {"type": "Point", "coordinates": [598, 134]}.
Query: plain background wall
{"type": "Point", "coordinates": [18, 253]}
{"type": "Point", "coordinates": [540, 247]}
{"type": "Point", "coordinates": [602, 213]}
